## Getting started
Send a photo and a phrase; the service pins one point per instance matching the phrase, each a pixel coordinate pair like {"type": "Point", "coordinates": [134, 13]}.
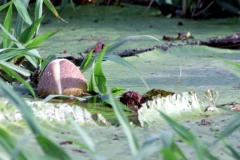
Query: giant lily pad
{"type": "Point", "coordinates": [181, 105]}
{"type": "Point", "coordinates": [60, 112]}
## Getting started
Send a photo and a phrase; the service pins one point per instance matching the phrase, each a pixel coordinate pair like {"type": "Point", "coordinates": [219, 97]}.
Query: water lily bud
{"type": "Point", "coordinates": [61, 77]}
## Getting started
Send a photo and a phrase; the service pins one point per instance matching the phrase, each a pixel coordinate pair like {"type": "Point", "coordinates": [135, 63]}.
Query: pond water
{"type": "Point", "coordinates": [195, 65]}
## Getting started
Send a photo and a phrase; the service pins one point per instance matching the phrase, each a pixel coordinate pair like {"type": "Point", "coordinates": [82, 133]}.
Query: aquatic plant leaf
{"type": "Point", "coordinates": [132, 140]}
{"type": "Point", "coordinates": [233, 125]}
{"type": "Point", "coordinates": [89, 144]}
{"type": "Point", "coordinates": [22, 106]}
{"type": "Point", "coordinates": [120, 43]}
{"type": "Point", "coordinates": [99, 78]}
{"type": "Point", "coordinates": [7, 25]}
{"type": "Point", "coordinates": [29, 32]}
{"type": "Point", "coordinates": [52, 8]}
{"type": "Point", "coordinates": [51, 148]}
{"type": "Point", "coordinates": [189, 138]}
{"type": "Point", "coordinates": [8, 143]}
{"type": "Point", "coordinates": [87, 62]}
{"type": "Point", "coordinates": [40, 39]}
{"type": "Point", "coordinates": [124, 63]}
{"type": "Point", "coordinates": [19, 45]}
{"type": "Point", "coordinates": [18, 78]}
{"type": "Point", "coordinates": [170, 149]}
{"type": "Point", "coordinates": [10, 53]}
{"type": "Point", "coordinates": [54, 112]}
{"type": "Point", "coordinates": [5, 5]}
{"type": "Point", "coordinates": [237, 73]}
{"type": "Point", "coordinates": [22, 11]}
{"type": "Point", "coordinates": [18, 147]}
{"type": "Point", "coordinates": [48, 98]}
{"type": "Point", "coordinates": [185, 104]}
{"type": "Point", "coordinates": [117, 91]}
{"type": "Point", "coordinates": [91, 82]}
{"type": "Point", "coordinates": [18, 69]}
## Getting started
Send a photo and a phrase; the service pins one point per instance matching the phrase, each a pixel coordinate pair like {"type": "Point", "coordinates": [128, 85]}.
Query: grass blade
{"type": "Point", "coordinates": [99, 77]}
{"type": "Point", "coordinates": [231, 63]}
{"type": "Point", "coordinates": [229, 129]}
{"type": "Point", "coordinates": [28, 33]}
{"type": "Point", "coordinates": [22, 106]}
{"type": "Point", "coordinates": [89, 144]}
{"type": "Point", "coordinates": [52, 149]}
{"type": "Point", "coordinates": [18, 78]}
{"type": "Point", "coordinates": [118, 44]}
{"type": "Point", "coordinates": [22, 11]}
{"type": "Point", "coordinates": [38, 13]}
{"type": "Point", "coordinates": [48, 147]}
{"type": "Point", "coordinates": [91, 83]}
{"type": "Point", "coordinates": [5, 5]}
{"type": "Point", "coordinates": [7, 25]}
{"type": "Point", "coordinates": [19, 45]}
{"type": "Point", "coordinates": [17, 150]}
{"type": "Point", "coordinates": [8, 143]}
{"type": "Point", "coordinates": [52, 8]}
{"type": "Point", "coordinates": [48, 98]}
{"type": "Point", "coordinates": [40, 39]}
{"type": "Point", "coordinates": [87, 62]}
{"type": "Point", "coordinates": [124, 63]}
{"type": "Point", "coordinates": [132, 140]}
{"type": "Point", "coordinates": [189, 138]}
{"type": "Point", "coordinates": [16, 68]}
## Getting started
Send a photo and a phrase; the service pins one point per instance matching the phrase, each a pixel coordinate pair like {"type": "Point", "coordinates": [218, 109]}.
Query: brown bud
{"type": "Point", "coordinates": [61, 77]}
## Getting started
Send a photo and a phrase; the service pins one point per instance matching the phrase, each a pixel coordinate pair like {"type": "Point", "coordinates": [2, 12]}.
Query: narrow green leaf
{"type": "Point", "coordinates": [91, 83]}
{"type": "Point", "coordinates": [188, 137]}
{"type": "Point", "coordinates": [234, 125]}
{"type": "Point", "coordinates": [21, 8]}
{"type": "Point", "coordinates": [10, 53]}
{"type": "Point", "coordinates": [124, 63]}
{"type": "Point", "coordinates": [52, 149]}
{"type": "Point", "coordinates": [118, 44]}
{"type": "Point", "coordinates": [22, 106]}
{"type": "Point", "coordinates": [52, 8]}
{"type": "Point", "coordinates": [5, 5]}
{"type": "Point", "coordinates": [106, 99]}
{"type": "Point", "coordinates": [235, 153]}
{"type": "Point", "coordinates": [38, 13]}
{"type": "Point", "coordinates": [18, 26]}
{"type": "Point", "coordinates": [28, 33]}
{"type": "Point", "coordinates": [40, 39]}
{"type": "Point", "coordinates": [231, 63]}
{"type": "Point", "coordinates": [122, 118]}
{"type": "Point", "coordinates": [8, 143]}
{"type": "Point", "coordinates": [48, 98]}
{"type": "Point", "coordinates": [228, 61]}
{"type": "Point", "coordinates": [18, 147]}
{"type": "Point", "coordinates": [99, 77]}
{"type": "Point", "coordinates": [19, 45]}
{"type": "Point", "coordinates": [18, 78]}
{"type": "Point", "coordinates": [7, 25]}
{"type": "Point", "coordinates": [38, 9]}
{"type": "Point", "coordinates": [88, 141]}
{"type": "Point", "coordinates": [73, 6]}
{"type": "Point", "coordinates": [18, 69]}
{"type": "Point", "coordinates": [48, 147]}
{"type": "Point", "coordinates": [87, 62]}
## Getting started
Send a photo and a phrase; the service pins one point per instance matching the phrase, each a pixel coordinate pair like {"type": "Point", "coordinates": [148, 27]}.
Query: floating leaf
{"type": "Point", "coordinates": [185, 104]}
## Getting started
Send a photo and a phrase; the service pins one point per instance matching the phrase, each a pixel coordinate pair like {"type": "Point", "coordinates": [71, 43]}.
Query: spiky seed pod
{"type": "Point", "coordinates": [61, 77]}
